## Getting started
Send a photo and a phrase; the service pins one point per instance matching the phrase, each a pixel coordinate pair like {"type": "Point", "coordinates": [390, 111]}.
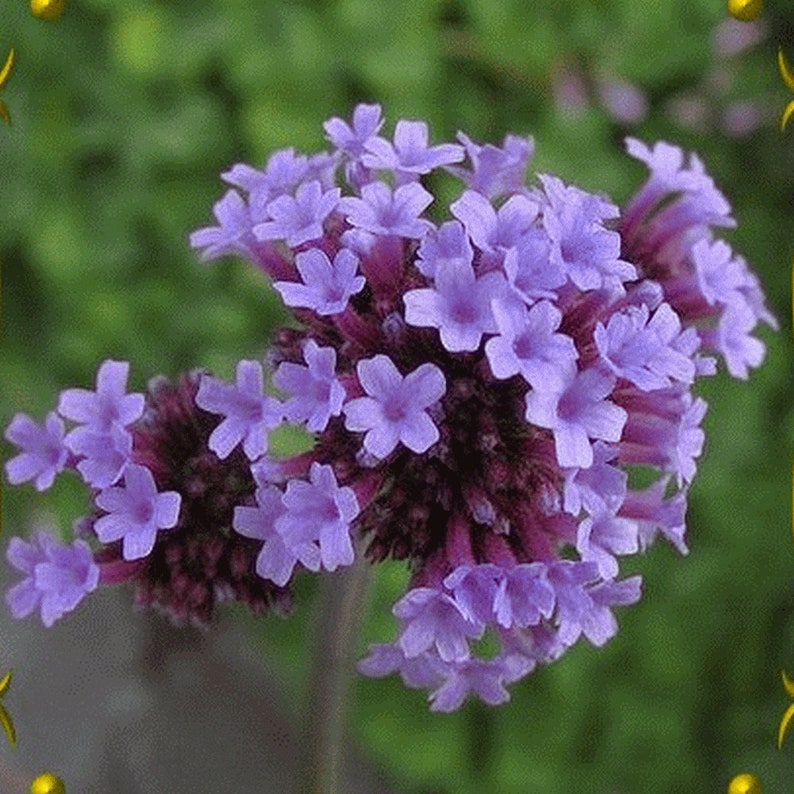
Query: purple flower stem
{"type": "Point", "coordinates": [341, 609]}
{"type": "Point", "coordinates": [118, 571]}
{"type": "Point", "coordinates": [274, 264]}
{"type": "Point", "coordinates": [356, 329]}
{"type": "Point", "coordinates": [383, 266]}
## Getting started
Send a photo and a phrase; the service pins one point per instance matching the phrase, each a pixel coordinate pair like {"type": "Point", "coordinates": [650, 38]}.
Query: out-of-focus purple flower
{"type": "Point", "coordinates": [42, 455]}
{"type": "Point", "coordinates": [732, 37]}
{"type": "Point", "coordinates": [576, 413]}
{"type": "Point", "coordinates": [300, 219]}
{"type": "Point", "coordinates": [315, 392]}
{"type": "Point", "coordinates": [527, 344]}
{"type": "Point", "coordinates": [326, 288]}
{"type": "Point", "coordinates": [136, 512]}
{"type": "Point", "coordinates": [381, 211]}
{"type": "Point", "coordinates": [571, 96]}
{"type": "Point", "coordinates": [234, 235]}
{"type": "Point", "coordinates": [109, 406]}
{"type": "Point", "coordinates": [249, 414]}
{"type": "Point", "coordinates": [459, 305]}
{"type": "Point", "coordinates": [494, 170]}
{"type": "Point", "coordinates": [395, 410]}
{"type": "Point", "coordinates": [57, 576]}
{"type": "Point", "coordinates": [410, 154]}
{"type": "Point", "coordinates": [625, 102]}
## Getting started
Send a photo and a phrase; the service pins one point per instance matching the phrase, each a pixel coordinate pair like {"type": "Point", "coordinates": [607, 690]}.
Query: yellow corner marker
{"type": "Point", "coordinates": [788, 685]}
{"type": "Point", "coordinates": [5, 76]}
{"type": "Point", "coordinates": [5, 717]}
{"type": "Point", "coordinates": [47, 784]}
{"type": "Point", "coordinates": [745, 784]}
{"type": "Point", "coordinates": [48, 10]}
{"type": "Point", "coordinates": [745, 10]}
{"type": "Point", "coordinates": [788, 79]}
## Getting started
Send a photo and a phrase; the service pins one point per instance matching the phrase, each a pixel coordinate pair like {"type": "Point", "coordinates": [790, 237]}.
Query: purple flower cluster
{"type": "Point", "coordinates": [479, 390]}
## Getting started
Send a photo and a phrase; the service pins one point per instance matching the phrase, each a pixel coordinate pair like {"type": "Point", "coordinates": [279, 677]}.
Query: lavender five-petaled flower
{"type": "Point", "coordinates": [57, 576]}
{"type": "Point", "coordinates": [249, 413]}
{"type": "Point", "coordinates": [136, 512]}
{"type": "Point", "coordinates": [43, 453]}
{"type": "Point", "coordinates": [326, 287]}
{"type": "Point", "coordinates": [315, 392]}
{"type": "Point", "coordinates": [108, 406]}
{"type": "Point", "coordinates": [395, 410]}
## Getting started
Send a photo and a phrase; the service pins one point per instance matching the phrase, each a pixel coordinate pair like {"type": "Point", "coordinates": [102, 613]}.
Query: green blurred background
{"type": "Point", "coordinates": [125, 113]}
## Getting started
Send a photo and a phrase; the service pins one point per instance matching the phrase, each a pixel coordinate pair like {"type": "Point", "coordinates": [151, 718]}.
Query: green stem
{"type": "Point", "coordinates": [340, 613]}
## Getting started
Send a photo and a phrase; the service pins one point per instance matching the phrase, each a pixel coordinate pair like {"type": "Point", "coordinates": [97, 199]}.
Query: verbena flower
{"type": "Point", "coordinates": [479, 389]}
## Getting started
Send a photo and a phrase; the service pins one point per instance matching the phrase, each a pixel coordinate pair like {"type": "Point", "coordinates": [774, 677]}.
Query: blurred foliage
{"type": "Point", "coordinates": [124, 115]}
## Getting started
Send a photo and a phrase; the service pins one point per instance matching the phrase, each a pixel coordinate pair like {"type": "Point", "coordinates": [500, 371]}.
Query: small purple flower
{"type": "Point", "coordinates": [577, 413]}
{"type": "Point", "coordinates": [135, 512]}
{"type": "Point", "coordinates": [527, 344]}
{"type": "Point", "coordinates": [430, 618]}
{"type": "Point", "coordinates": [316, 394]}
{"type": "Point", "coordinates": [326, 288]}
{"type": "Point", "coordinates": [42, 455]}
{"type": "Point", "coordinates": [300, 219]}
{"type": "Point", "coordinates": [720, 276]}
{"type": "Point", "coordinates": [249, 414]}
{"type": "Point", "coordinates": [395, 409]}
{"type": "Point", "coordinates": [447, 244]}
{"type": "Point", "coordinates": [688, 444]}
{"type": "Point", "coordinates": [641, 348]}
{"type": "Point", "coordinates": [599, 488]}
{"type": "Point", "coordinates": [475, 588]}
{"type": "Point", "coordinates": [492, 229]}
{"type": "Point", "coordinates": [57, 577]}
{"type": "Point", "coordinates": [496, 171]}
{"type": "Point", "coordinates": [530, 269]}
{"type": "Point", "coordinates": [425, 671]}
{"type": "Point", "coordinates": [588, 252]}
{"type": "Point", "coordinates": [410, 152]}
{"type": "Point", "coordinates": [283, 172]}
{"type": "Point", "coordinates": [602, 536]}
{"type": "Point", "coordinates": [277, 558]}
{"type": "Point", "coordinates": [459, 305]}
{"type": "Point", "coordinates": [484, 677]}
{"type": "Point", "coordinates": [581, 609]}
{"type": "Point", "coordinates": [98, 411]}
{"type": "Point", "coordinates": [525, 596]}
{"type": "Point", "coordinates": [380, 211]}
{"type": "Point", "coordinates": [732, 339]}
{"type": "Point", "coordinates": [352, 140]}
{"type": "Point", "coordinates": [234, 235]}
{"type": "Point", "coordinates": [105, 455]}
{"type": "Point", "coordinates": [323, 509]}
